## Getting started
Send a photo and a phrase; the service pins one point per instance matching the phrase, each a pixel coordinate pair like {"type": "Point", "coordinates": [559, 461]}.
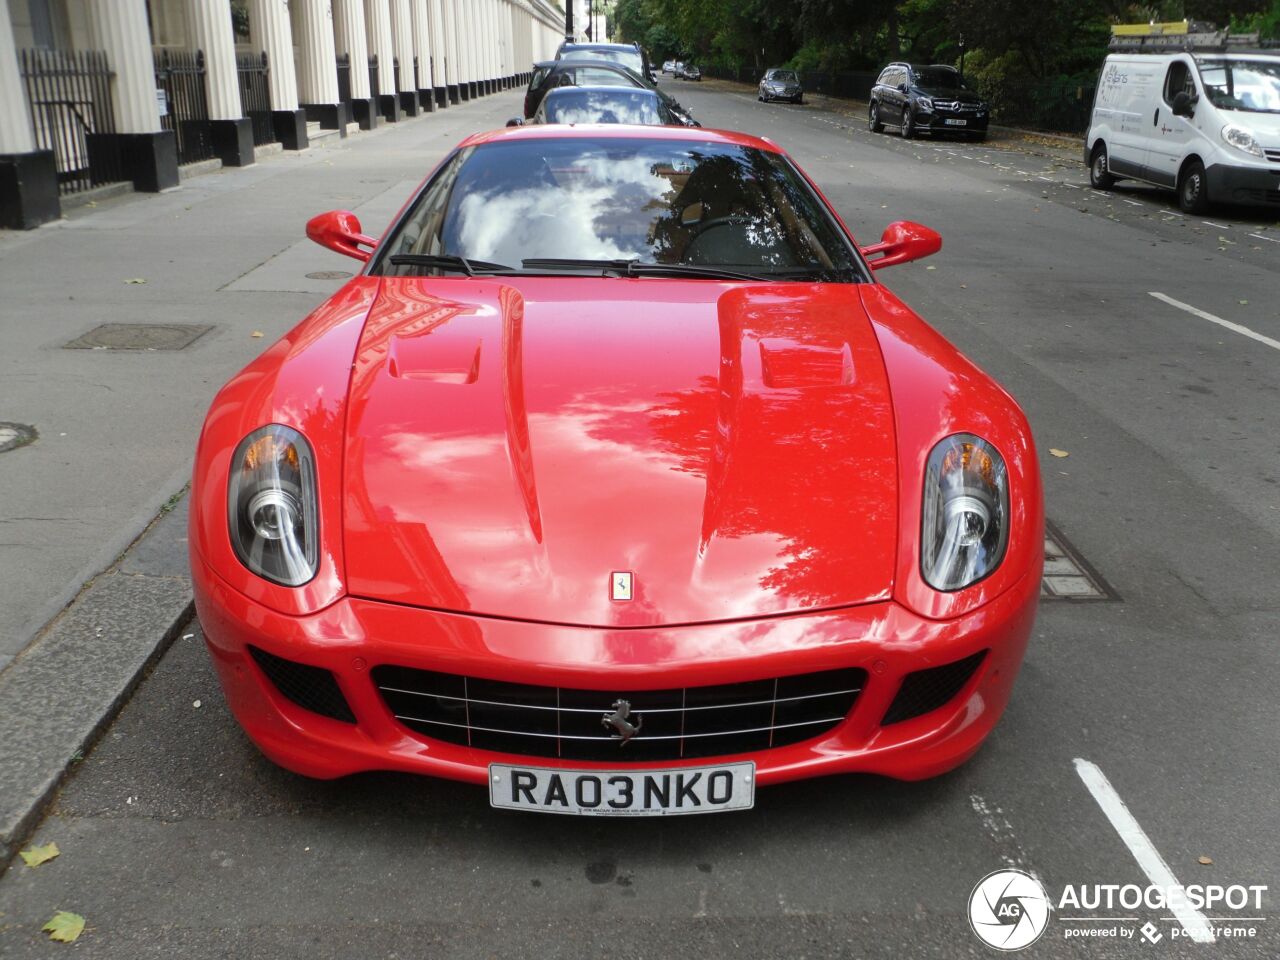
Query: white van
{"type": "Point", "coordinates": [1205, 123]}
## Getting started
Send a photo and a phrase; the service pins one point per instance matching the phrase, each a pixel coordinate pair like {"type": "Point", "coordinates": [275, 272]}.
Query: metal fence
{"type": "Point", "coordinates": [180, 74]}
{"type": "Point", "coordinates": [70, 98]}
{"type": "Point", "coordinates": [344, 78]}
{"type": "Point", "coordinates": [255, 95]}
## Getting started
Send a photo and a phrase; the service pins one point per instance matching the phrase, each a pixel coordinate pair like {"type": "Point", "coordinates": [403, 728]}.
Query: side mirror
{"type": "Point", "coordinates": [515, 122]}
{"type": "Point", "coordinates": [339, 230]}
{"type": "Point", "coordinates": [902, 88]}
{"type": "Point", "coordinates": [902, 242]}
{"type": "Point", "coordinates": [1184, 104]}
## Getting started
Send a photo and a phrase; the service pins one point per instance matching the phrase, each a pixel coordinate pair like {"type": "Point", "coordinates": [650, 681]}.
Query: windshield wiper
{"type": "Point", "coordinates": [449, 262]}
{"type": "Point", "coordinates": [636, 268]}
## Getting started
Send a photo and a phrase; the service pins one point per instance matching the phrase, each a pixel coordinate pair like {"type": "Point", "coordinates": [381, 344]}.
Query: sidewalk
{"type": "Point", "coordinates": [207, 276]}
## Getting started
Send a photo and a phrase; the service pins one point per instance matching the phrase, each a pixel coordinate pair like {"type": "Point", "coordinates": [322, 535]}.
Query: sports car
{"type": "Point", "coordinates": [616, 481]}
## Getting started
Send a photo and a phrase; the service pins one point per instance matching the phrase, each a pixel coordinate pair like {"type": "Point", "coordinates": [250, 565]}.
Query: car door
{"type": "Point", "coordinates": [1128, 98]}
{"type": "Point", "coordinates": [1170, 135]}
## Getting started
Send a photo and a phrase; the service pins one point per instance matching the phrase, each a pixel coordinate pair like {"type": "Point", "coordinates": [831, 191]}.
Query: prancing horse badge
{"type": "Point", "coordinates": [620, 585]}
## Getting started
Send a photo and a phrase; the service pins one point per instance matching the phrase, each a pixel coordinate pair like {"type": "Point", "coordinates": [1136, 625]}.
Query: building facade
{"type": "Point", "coordinates": [94, 92]}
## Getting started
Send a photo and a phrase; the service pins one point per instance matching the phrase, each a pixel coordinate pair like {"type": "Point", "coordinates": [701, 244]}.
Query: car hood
{"type": "Point", "coordinates": [510, 445]}
{"type": "Point", "coordinates": [942, 93]}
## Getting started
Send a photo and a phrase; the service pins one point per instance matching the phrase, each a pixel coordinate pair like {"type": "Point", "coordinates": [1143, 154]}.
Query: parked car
{"type": "Point", "coordinates": [618, 482]}
{"type": "Point", "coordinates": [669, 66]}
{"type": "Point", "coordinates": [926, 99]}
{"type": "Point", "coordinates": [604, 105]}
{"type": "Point", "coordinates": [689, 71]}
{"type": "Point", "coordinates": [630, 55]}
{"type": "Point", "coordinates": [780, 84]}
{"type": "Point", "coordinates": [561, 73]}
{"type": "Point", "coordinates": [1204, 124]}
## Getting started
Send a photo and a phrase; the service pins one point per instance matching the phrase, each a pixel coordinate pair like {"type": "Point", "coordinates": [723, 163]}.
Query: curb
{"type": "Point", "coordinates": [66, 687]}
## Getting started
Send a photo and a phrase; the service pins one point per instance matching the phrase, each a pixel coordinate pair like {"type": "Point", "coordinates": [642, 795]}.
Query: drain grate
{"type": "Point", "coordinates": [1067, 576]}
{"type": "Point", "coordinates": [139, 336]}
{"type": "Point", "coordinates": [15, 435]}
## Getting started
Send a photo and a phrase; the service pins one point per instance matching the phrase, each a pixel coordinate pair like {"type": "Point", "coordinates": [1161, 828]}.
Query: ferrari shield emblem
{"type": "Point", "coordinates": [620, 585]}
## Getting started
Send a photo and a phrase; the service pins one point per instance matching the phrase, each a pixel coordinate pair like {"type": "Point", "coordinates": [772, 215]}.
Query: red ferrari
{"type": "Point", "coordinates": [618, 482]}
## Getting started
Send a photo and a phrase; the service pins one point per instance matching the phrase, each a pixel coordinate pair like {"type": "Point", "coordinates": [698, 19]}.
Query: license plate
{"type": "Point", "coordinates": [623, 793]}
{"type": "Point", "coordinates": [957, 123]}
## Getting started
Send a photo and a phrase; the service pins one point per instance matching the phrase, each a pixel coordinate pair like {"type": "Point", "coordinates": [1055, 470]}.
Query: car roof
{"type": "Point", "coordinates": [621, 131]}
{"type": "Point", "coordinates": [603, 88]}
{"type": "Point", "coordinates": [599, 46]}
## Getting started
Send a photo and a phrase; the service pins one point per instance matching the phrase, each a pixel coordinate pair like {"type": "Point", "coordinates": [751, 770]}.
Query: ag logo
{"type": "Point", "coordinates": [1008, 910]}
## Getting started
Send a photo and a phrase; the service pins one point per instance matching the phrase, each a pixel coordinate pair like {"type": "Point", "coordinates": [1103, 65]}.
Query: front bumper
{"type": "Point", "coordinates": [1244, 185]}
{"type": "Point", "coordinates": [354, 635]}
{"type": "Point", "coordinates": [936, 121]}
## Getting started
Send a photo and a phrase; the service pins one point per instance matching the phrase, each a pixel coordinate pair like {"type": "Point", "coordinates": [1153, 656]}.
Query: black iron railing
{"type": "Point", "coordinates": [255, 95]}
{"type": "Point", "coordinates": [344, 78]}
{"type": "Point", "coordinates": [69, 94]}
{"type": "Point", "coordinates": [374, 89]}
{"type": "Point", "coordinates": [185, 109]}
{"type": "Point", "coordinates": [395, 75]}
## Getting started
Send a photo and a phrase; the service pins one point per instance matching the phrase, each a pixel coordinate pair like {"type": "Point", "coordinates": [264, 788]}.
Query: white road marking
{"type": "Point", "coordinates": [1234, 327]}
{"type": "Point", "coordinates": [1220, 226]}
{"type": "Point", "coordinates": [1132, 203]}
{"type": "Point", "coordinates": [1258, 236]}
{"type": "Point", "coordinates": [1049, 179]}
{"type": "Point", "coordinates": [1148, 857]}
{"type": "Point", "coordinates": [1000, 830]}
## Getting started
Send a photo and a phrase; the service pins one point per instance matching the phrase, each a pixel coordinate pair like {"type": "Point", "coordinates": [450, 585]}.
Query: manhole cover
{"type": "Point", "coordinates": [1067, 576]}
{"type": "Point", "coordinates": [328, 275]}
{"type": "Point", "coordinates": [14, 435]}
{"type": "Point", "coordinates": [139, 336]}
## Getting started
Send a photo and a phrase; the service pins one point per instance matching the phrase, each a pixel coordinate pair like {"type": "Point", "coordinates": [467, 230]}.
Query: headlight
{"type": "Point", "coordinates": [271, 505]}
{"type": "Point", "coordinates": [924, 103]}
{"type": "Point", "coordinates": [966, 512]}
{"type": "Point", "coordinates": [1241, 139]}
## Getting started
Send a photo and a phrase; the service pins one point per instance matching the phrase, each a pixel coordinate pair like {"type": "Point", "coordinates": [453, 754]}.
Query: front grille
{"type": "Point", "coordinates": [925, 690]}
{"type": "Point", "coordinates": [312, 688]}
{"type": "Point", "coordinates": [1273, 155]}
{"type": "Point", "coordinates": [567, 723]}
{"type": "Point", "coordinates": [956, 106]}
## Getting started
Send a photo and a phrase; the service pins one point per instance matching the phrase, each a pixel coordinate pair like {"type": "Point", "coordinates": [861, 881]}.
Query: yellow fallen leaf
{"type": "Point", "coordinates": [1244, 303]}
{"type": "Point", "coordinates": [256, 334]}
{"type": "Point", "coordinates": [1206, 861]}
{"type": "Point", "coordinates": [38, 855]}
{"type": "Point", "coordinates": [1058, 453]}
{"type": "Point", "coordinates": [136, 280]}
{"type": "Point", "coordinates": [64, 927]}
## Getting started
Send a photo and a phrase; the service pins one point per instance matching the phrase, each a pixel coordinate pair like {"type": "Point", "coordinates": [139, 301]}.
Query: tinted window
{"type": "Point", "coordinates": [670, 202]}
{"type": "Point", "coordinates": [786, 76]}
{"type": "Point", "coordinates": [1178, 80]}
{"type": "Point", "coordinates": [539, 74]}
{"type": "Point", "coordinates": [595, 77]}
{"type": "Point", "coordinates": [587, 105]}
{"type": "Point", "coordinates": [938, 78]}
{"type": "Point", "coordinates": [628, 58]}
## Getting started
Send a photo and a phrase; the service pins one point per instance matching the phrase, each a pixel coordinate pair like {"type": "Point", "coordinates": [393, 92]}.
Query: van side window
{"type": "Point", "coordinates": [1178, 80]}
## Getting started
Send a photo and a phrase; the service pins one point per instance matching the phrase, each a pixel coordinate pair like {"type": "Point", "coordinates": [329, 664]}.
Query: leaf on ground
{"type": "Point", "coordinates": [1058, 453]}
{"type": "Point", "coordinates": [1244, 303]}
{"type": "Point", "coordinates": [64, 927]}
{"type": "Point", "coordinates": [136, 280]}
{"type": "Point", "coordinates": [38, 855]}
{"type": "Point", "coordinates": [1206, 861]}
{"type": "Point", "coordinates": [257, 334]}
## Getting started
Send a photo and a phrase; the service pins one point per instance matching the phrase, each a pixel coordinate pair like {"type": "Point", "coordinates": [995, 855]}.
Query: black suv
{"type": "Point", "coordinates": [593, 73]}
{"type": "Point", "coordinates": [917, 98]}
{"type": "Point", "coordinates": [630, 55]}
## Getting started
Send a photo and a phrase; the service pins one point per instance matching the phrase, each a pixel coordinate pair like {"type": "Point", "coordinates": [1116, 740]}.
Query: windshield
{"type": "Point", "coordinates": [656, 201]}
{"type": "Point", "coordinates": [628, 58]}
{"type": "Point", "coordinates": [602, 106]}
{"type": "Point", "coordinates": [939, 78]}
{"type": "Point", "coordinates": [786, 76]}
{"type": "Point", "coordinates": [1252, 85]}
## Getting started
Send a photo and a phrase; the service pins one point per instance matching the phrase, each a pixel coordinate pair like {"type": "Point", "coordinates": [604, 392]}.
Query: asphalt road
{"type": "Point", "coordinates": [178, 839]}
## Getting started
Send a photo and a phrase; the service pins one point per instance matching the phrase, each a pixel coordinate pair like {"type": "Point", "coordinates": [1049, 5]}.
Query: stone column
{"type": "Point", "coordinates": [209, 30]}
{"type": "Point", "coordinates": [420, 14]}
{"type": "Point", "coordinates": [318, 65]}
{"type": "Point", "coordinates": [148, 153]}
{"type": "Point", "coordinates": [402, 40]}
{"type": "Point", "coordinates": [439, 55]}
{"type": "Point", "coordinates": [272, 31]}
{"type": "Point", "coordinates": [377, 16]}
{"type": "Point", "coordinates": [457, 87]}
{"type": "Point", "coordinates": [350, 38]}
{"type": "Point", "coordinates": [28, 176]}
